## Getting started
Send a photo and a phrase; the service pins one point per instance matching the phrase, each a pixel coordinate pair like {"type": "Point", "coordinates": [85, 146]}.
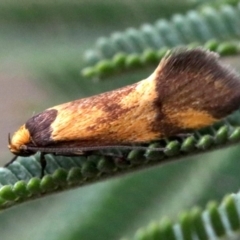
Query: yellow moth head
{"type": "Point", "coordinates": [19, 138]}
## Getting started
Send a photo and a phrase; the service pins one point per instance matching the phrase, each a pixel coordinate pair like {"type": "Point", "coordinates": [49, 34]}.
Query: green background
{"type": "Point", "coordinates": [42, 49]}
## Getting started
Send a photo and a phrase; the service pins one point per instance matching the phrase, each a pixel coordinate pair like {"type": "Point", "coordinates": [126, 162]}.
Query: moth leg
{"type": "Point", "coordinates": [118, 157]}
{"type": "Point", "coordinates": [43, 163]}
{"type": "Point", "coordinates": [10, 162]}
{"type": "Point", "coordinates": [184, 134]}
{"type": "Point", "coordinates": [69, 154]}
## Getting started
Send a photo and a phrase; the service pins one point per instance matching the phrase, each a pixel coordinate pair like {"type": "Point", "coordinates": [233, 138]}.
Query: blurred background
{"type": "Point", "coordinates": [42, 46]}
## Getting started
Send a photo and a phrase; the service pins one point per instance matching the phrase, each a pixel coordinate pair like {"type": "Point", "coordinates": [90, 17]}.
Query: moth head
{"type": "Point", "coordinates": [19, 139]}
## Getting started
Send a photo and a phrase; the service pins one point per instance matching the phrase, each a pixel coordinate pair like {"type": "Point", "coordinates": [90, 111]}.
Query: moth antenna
{"type": "Point", "coordinates": [9, 139]}
{"type": "Point", "coordinates": [92, 148]}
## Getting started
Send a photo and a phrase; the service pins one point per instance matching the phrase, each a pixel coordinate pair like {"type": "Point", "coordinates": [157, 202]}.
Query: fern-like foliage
{"type": "Point", "coordinates": [221, 23]}
{"type": "Point", "coordinates": [214, 26]}
{"type": "Point", "coordinates": [21, 181]}
{"type": "Point", "coordinates": [214, 222]}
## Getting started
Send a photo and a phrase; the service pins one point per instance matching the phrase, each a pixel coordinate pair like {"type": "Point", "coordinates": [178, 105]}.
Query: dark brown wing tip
{"type": "Point", "coordinates": [199, 60]}
{"type": "Point", "coordinates": [189, 59]}
{"type": "Point", "coordinates": [197, 75]}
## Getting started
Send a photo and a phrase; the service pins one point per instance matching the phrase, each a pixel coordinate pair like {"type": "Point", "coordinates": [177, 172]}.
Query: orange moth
{"type": "Point", "coordinates": [189, 89]}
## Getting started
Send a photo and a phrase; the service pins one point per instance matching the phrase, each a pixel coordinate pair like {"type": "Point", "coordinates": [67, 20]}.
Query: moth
{"type": "Point", "coordinates": [190, 89]}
